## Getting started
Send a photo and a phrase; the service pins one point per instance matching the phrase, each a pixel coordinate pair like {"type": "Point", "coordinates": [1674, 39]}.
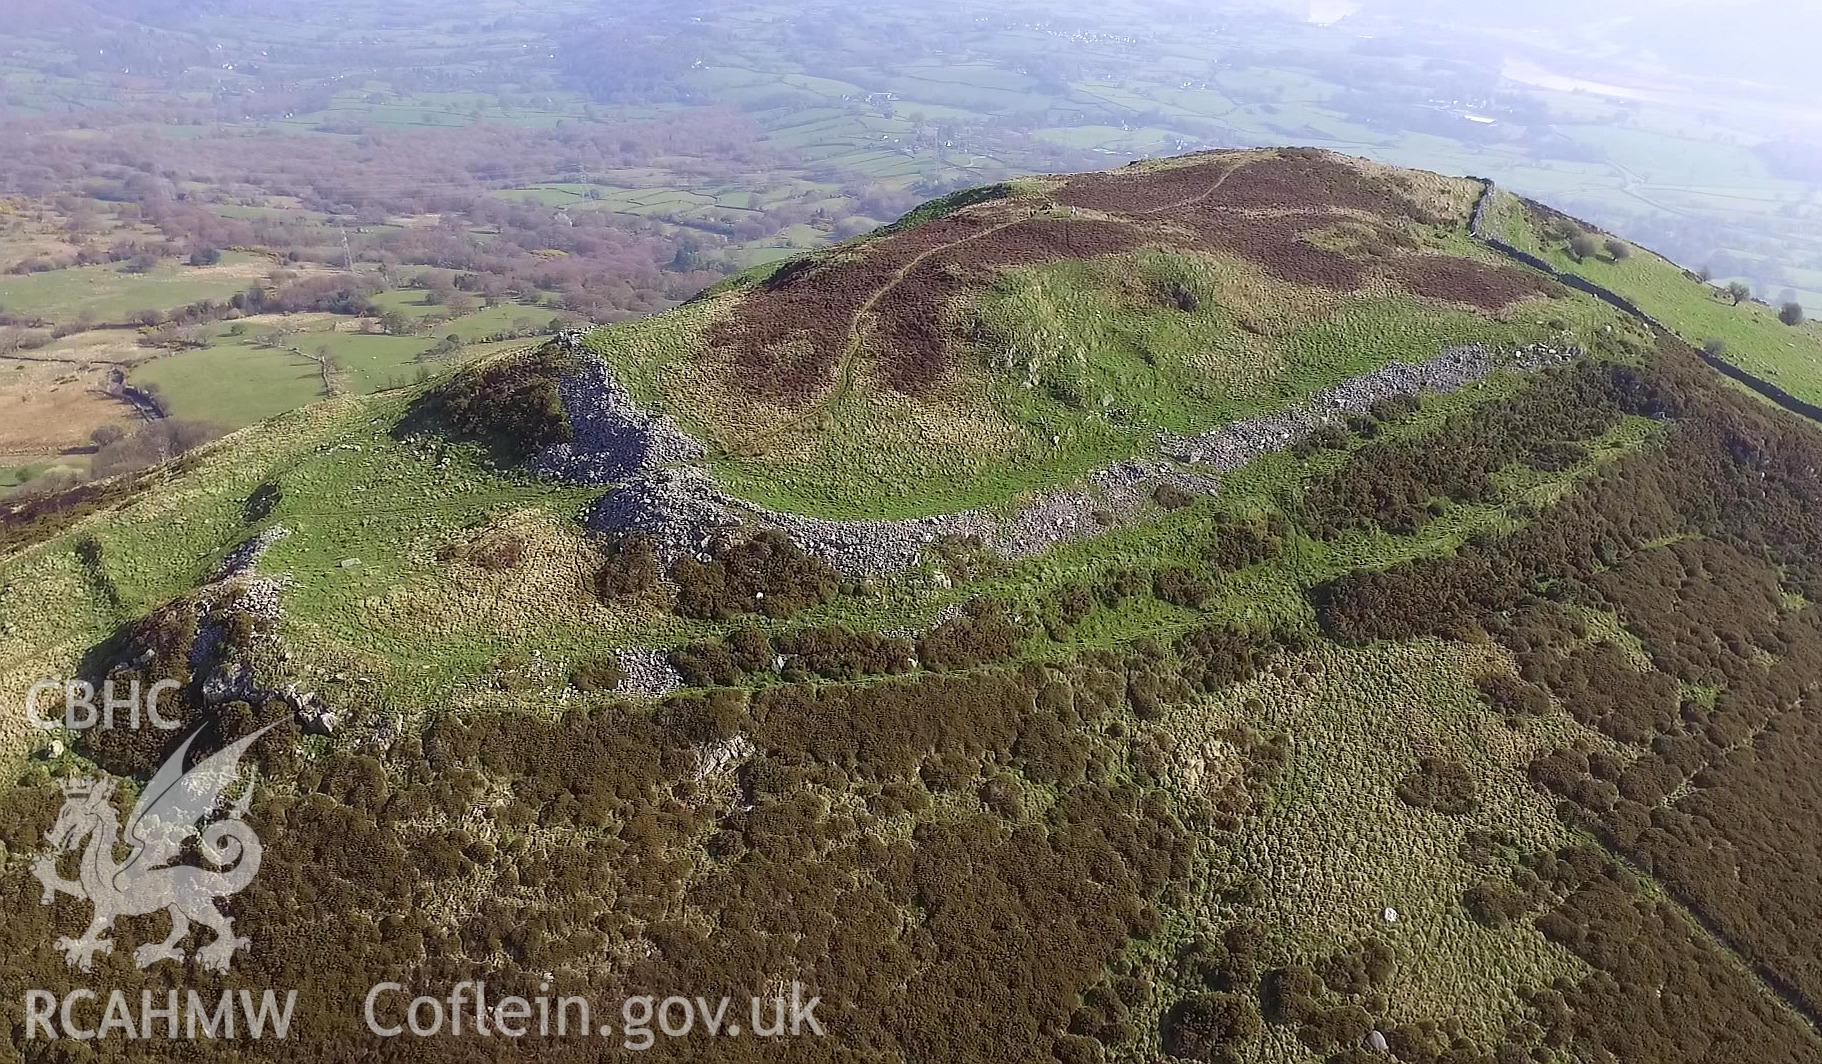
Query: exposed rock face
{"type": "Point", "coordinates": [681, 509]}
{"type": "Point", "coordinates": [1108, 497]}
{"type": "Point", "coordinates": [680, 506]}
{"type": "Point", "coordinates": [722, 754]}
{"type": "Point", "coordinates": [222, 673]}
{"type": "Point", "coordinates": [685, 511]}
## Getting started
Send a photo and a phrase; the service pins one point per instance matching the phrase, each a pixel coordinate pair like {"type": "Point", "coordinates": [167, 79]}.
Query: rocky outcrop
{"type": "Point", "coordinates": [614, 439]}
{"type": "Point", "coordinates": [648, 673]}
{"type": "Point", "coordinates": [243, 558]}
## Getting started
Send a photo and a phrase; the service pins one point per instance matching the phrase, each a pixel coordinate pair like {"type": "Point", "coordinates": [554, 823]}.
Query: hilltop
{"type": "Point", "coordinates": [1224, 608]}
{"type": "Point", "coordinates": [1017, 336]}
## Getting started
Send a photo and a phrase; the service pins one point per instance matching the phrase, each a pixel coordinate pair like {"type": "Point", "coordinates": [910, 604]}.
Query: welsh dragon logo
{"type": "Point", "coordinates": [169, 815]}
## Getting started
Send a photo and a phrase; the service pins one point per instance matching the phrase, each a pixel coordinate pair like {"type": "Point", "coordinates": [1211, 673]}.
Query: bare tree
{"type": "Point", "coordinates": [334, 370]}
{"type": "Point", "coordinates": [396, 323]}
{"type": "Point", "coordinates": [157, 442]}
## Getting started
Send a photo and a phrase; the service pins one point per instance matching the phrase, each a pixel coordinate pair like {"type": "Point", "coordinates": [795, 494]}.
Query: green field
{"type": "Point", "coordinates": [113, 294]}
{"type": "Point", "coordinates": [12, 476]}
{"type": "Point", "coordinates": [239, 380]}
{"type": "Point", "coordinates": [231, 384]}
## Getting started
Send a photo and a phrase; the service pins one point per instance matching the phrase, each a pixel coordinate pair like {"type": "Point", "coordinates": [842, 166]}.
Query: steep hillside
{"type": "Point", "coordinates": [1217, 610]}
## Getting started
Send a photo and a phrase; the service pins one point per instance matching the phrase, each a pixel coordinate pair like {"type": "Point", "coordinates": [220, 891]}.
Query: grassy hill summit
{"type": "Point", "coordinates": [1218, 610]}
{"type": "Point", "coordinates": [1017, 336]}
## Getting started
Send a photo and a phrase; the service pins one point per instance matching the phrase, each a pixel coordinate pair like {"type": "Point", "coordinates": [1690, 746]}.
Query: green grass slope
{"type": "Point", "coordinates": [1748, 334]}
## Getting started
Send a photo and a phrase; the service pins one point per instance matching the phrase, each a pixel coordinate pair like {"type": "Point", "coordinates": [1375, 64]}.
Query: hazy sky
{"type": "Point", "coordinates": [1771, 42]}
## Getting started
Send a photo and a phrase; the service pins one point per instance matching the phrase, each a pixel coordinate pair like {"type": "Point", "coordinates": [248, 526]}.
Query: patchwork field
{"type": "Point", "coordinates": [243, 377]}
